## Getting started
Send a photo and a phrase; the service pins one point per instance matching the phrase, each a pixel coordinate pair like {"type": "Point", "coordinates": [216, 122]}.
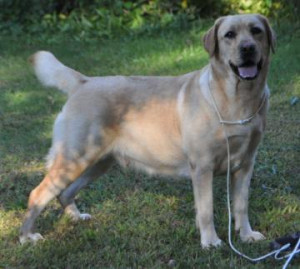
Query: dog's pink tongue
{"type": "Point", "coordinates": [248, 72]}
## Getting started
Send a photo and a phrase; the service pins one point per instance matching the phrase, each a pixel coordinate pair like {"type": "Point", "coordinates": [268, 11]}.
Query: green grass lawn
{"type": "Point", "coordinates": [138, 221]}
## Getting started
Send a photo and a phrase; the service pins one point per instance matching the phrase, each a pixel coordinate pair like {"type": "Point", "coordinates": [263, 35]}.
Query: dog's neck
{"type": "Point", "coordinates": [236, 98]}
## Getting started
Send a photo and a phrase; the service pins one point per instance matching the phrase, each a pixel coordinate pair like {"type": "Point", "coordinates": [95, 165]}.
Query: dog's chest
{"type": "Point", "coordinates": [243, 142]}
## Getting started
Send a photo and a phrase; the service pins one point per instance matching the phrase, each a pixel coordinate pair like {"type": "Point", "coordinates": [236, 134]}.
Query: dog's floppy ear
{"type": "Point", "coordinates": [270, 32]}
{"type": "Point", "coordinates": [210, 39]}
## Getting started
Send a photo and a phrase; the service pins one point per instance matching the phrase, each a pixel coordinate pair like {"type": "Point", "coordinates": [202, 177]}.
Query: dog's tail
{"type": "Point", "coordinates": [53, 73]}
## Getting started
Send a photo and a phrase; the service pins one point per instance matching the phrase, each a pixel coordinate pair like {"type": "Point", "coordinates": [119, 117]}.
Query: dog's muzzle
{"type": "Point", "coordinates": [248, 70]}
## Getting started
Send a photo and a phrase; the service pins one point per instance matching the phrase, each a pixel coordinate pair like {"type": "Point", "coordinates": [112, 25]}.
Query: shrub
{"type": "Point", "coordinates": [106, 18]}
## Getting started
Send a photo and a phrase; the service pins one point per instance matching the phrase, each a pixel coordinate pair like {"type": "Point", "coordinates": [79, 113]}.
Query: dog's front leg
{"type": "Point", "coordinates": [241, 183]}
{"type": "Point", "coordinates": [203, 195]}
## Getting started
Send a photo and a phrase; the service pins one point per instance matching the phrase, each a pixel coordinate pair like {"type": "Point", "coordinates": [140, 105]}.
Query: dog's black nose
{"type": "Point", "coordinates": [247, 49]}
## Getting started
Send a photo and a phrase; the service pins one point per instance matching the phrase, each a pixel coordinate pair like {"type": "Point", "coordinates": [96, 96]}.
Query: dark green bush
{"type": "Point", "coordinates": [105, 18]}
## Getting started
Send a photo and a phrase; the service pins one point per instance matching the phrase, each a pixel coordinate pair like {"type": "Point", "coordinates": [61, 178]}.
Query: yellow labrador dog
{"type": "Point", "coordinates": [163, 125]}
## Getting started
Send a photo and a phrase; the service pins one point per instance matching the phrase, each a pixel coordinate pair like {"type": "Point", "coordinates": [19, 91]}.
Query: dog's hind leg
{"type": "Point", "coordinates": [62, 173]}
{"type": "Point", "coordinates": [66, 198]}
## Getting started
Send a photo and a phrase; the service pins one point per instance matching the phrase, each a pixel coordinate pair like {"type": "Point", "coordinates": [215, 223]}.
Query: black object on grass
{"type": "Point", "coordinates": [291, 239]}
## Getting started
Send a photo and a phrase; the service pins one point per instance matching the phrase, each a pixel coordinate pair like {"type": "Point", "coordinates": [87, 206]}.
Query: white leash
{"type": "Point", "coordinates": [276, 253]}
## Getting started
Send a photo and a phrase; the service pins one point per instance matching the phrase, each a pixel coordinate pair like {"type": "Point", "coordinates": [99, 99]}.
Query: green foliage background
{"type": "Point", "coordinates": [107, 18]}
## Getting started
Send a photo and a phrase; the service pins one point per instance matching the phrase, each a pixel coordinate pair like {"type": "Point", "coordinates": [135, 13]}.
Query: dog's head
{"type": "Point", "coordinates": [241, 43]}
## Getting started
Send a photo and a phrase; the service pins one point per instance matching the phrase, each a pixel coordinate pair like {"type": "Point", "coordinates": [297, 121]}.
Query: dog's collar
{"type": "Point", "coordinates": [238, 122]}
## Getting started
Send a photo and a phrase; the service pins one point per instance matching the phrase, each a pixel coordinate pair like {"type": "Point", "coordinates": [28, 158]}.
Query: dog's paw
{"type": "Point", "coordinates": [85, 216]}
{"type": "Point", "coordinates": [78, 217]}
{"type": "Point", "coordinates": [33, 238]}
{"type": "Point", "coordinates": [206, 244]}
{"type": "Point", "coordinates": [252, 236]}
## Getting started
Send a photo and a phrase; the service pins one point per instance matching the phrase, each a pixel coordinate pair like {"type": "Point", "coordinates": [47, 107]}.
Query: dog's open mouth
{"type": "Point", "coordinates": [248, 70]}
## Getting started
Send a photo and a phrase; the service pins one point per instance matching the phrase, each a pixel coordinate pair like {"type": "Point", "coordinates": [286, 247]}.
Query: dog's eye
{"type": "Point", "coordinates": [255, 30]}
{"type": "Point", "coordinates": [230, 34]}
